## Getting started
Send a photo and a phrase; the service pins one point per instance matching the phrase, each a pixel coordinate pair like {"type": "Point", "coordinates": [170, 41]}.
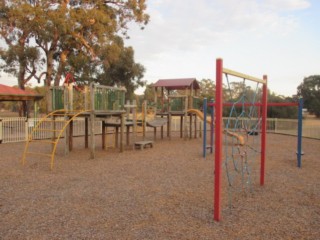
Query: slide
{"type": "Point", "coordinates": [231, 134]}
{"type": "Point", "coordinates": [199, 114]}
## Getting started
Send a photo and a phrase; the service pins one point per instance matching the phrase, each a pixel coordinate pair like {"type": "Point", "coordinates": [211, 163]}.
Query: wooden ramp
{"type": "Point", "coordinates": [55, 123]}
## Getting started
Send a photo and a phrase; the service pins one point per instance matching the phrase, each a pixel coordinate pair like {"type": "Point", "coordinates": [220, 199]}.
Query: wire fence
{"type": "Point", "coordinates": [18, 129]}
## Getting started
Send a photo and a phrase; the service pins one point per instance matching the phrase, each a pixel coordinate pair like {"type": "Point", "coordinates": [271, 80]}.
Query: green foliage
{"type": "Point", "coordinates": [309, 90]}
{"type": "Point", "coordinates": [123, 72]}
{"type": "Point", "coordinates": [207, 88]}
{"type": "Point", "coordinates": [281, 112]}
{"type": "Point", "coordinates": [50, 38]}
{"type": "Point", "coordinates": [149, 93]}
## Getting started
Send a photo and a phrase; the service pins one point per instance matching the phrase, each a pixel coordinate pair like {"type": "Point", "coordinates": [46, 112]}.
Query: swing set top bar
{"type": "Point", "coordinates": [242, 75]}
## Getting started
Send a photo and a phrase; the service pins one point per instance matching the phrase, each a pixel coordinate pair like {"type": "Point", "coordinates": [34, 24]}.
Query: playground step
{"type": "Point", "coordinates": [143, 144]}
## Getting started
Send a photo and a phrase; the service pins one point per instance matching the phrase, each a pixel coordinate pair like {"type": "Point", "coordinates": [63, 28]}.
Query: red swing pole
{"type": "Point", "coordinates": [218, 142]}
{"type": "Point", "coordinates": [263, 130]}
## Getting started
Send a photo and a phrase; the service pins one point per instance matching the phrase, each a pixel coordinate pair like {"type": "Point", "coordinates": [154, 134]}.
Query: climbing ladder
{"type": "Point", "coordinates": [55, 123]}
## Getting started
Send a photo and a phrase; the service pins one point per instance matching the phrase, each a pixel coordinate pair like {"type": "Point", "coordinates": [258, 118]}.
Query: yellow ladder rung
{"type": "Point", "coordinates": [37, 153]}
{"type": "Point", "coordinates": [42, 141]}
{"type": "Point", "coordinates": [48, 130]}
{"type": "Point", "coordinates": [54, 120]}
{"type": "Point", "coordinates": [63, 114]}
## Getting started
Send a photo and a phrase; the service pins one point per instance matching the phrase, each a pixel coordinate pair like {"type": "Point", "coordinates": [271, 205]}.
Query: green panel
{"type": "Point", "coordinates": [177, 104]}
{"type": "Point", "coordinates": [57, 99]}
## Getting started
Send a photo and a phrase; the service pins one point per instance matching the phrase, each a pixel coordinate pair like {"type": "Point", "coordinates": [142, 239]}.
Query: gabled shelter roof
{"type": "Point", "coordinates": [16, 94]}
{"type": "Point", "coordinates": [178, 83]}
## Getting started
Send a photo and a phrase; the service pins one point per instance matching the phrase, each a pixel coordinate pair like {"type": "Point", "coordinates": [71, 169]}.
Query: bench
{"type": "Point", "coordinates": [143, 144]}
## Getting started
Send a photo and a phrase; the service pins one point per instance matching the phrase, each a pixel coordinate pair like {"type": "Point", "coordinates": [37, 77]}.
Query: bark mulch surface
{"type": "Point", "coordinates": [164, 192]}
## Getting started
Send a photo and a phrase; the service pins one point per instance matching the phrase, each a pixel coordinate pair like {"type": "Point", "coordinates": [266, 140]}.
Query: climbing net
{"type": "Point", "coordinates": [237, 144]}
{"type": "Point", "coordinates": [242, 126]}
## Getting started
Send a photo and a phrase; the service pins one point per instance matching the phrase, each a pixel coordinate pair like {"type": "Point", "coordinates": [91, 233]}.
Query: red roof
{"type": "Point", "coordinates": [16, 94]}
{"type": "Point", "coordinates": [180, 83]}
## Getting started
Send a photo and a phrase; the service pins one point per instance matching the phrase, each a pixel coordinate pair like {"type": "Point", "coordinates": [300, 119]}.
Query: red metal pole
{"type": "Point", "coordinates": [218, 141]}
{"type": "Point", "coordinates": [263, 130]}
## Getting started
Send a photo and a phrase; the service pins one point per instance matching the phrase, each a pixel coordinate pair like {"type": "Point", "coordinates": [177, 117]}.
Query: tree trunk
{"type": "Point", "coordinates": [23, 111]}
{"type": "Point", "coordinates": [48, 80]}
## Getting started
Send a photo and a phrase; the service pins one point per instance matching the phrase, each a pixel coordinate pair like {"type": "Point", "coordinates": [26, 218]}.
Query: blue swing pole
{"type": "Point", "coordinates": [211, 125]}
{"type": "Point", "coordinates": [299, 144]}
{"type": "Point", "coordinates": [204, 127]}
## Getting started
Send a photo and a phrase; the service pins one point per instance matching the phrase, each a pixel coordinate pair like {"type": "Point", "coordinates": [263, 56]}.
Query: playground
{"type": "Point", "coordinates": [156, 194]}
{"type": "Point", "coordinates": [247, 184]}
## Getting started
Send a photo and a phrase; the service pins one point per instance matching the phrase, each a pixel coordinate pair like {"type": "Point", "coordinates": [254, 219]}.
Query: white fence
{"type": "Point", "coordinates": [17, 129]}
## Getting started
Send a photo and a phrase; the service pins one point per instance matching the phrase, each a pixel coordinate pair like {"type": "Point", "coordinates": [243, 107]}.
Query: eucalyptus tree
{"type": "Point", "coordinates": [309, 90]}
{"type": "Point", "coordinates": [47, 38]}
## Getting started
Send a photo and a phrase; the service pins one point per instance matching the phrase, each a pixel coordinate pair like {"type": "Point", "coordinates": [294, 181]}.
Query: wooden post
{"type": "Point", "coordinates": [71, 136]}
{"type": "Point", "coordinates": [116, 138]}
{"type": "Point", "coordinates": [1, 134]}
{"type": "Point", "coordinates": [161, 129]}
{"type": "Point", "coordinates": [86, 131]}
{"type": "Point", "coordinates": [92, 119]}
{"type": "Point", "coordinates": [66, 105]}
{"type": "Point", "coordinates": [122, 131]}
{"type": "Point", "coordinates": [155, 99]}
{"type": "Point", "coordinates": [195, 126]}
{"type": "Point", "coordinates": [185, 118]}
{"type": "Point", "coordinates": [127, 135]}
{"type": "Point", "coordinates": [154, 133]}
{"type": "Point", "coordinates": [128, 107]}
{"type": "Point", "coordinates": [169, 126]}
{"type": "Point", "coordinates": [103, 137]}
{"type": "Point", "coordinates": [181, 126]}
{"type": "Point", "coordinates": [144, 120]}
{"type": "Point", "coordinates": [190, 125]}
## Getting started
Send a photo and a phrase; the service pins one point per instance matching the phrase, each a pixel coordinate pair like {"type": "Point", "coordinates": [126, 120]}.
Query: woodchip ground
{"type": "Point", "coordinates": [164, 192]}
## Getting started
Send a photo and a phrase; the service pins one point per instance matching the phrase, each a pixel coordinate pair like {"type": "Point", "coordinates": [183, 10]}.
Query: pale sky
{"type": "Point", "coordinates": [279, 38]}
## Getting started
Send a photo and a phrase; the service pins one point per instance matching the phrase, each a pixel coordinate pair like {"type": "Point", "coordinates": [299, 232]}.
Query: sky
{"type": "Point", "coordinates": [279, 38]}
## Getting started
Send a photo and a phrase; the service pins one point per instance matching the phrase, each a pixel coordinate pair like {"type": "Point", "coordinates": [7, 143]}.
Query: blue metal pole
{"type": "Point", "coordinates": [211, 126]}
{"type": "Point", "coordinates": [204, 127]}
{"type": "Point", "coordinates": [299, 147]}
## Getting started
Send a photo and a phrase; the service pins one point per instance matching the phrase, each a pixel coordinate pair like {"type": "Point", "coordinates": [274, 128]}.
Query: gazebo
{"type": "Point", "coordinates": [16, 94]}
